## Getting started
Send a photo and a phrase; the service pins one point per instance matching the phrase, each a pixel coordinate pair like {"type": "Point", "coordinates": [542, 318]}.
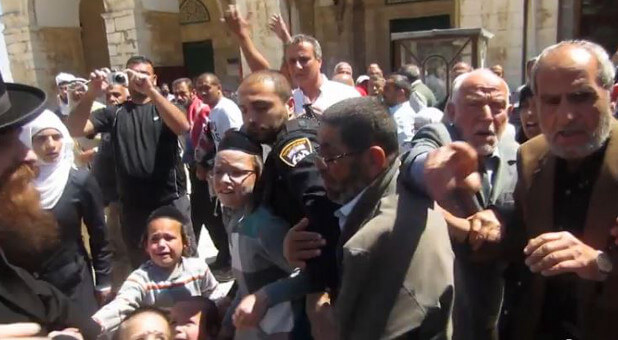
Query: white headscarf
{"type": "Point", "coordinates": [53, 176]}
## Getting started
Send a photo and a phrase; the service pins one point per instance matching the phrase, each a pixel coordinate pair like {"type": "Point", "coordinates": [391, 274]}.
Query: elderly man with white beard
{"type": "Point", "coordinates": [479, 110]}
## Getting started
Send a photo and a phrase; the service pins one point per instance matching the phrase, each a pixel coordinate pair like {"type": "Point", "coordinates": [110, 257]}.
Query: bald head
{"type": "Point", "coordinates": [273, 80]}
{"type": "Point", "coordinates": [344, 78]}
{"type": "Point", "coordinates": [343, 68]}
{"type": "Point", "coordinates": [476, 78]}
{"type": "Point", "coordinates": [479, 109]}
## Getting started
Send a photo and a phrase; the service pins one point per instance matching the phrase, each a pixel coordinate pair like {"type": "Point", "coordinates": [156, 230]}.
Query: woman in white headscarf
{"type": "Point", "coordinates": [72, 196]}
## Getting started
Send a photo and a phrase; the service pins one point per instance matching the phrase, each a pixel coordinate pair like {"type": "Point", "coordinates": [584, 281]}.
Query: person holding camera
{"type": "Point", "coordinates": [144, 135]}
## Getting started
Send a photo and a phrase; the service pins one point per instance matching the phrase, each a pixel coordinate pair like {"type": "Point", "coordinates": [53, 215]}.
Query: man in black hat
{"type": "Point", "coordinates": [26, 230]}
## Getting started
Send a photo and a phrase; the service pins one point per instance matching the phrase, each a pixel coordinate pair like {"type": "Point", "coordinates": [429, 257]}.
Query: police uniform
{"type": "Point", "coordinates": [292, 188]}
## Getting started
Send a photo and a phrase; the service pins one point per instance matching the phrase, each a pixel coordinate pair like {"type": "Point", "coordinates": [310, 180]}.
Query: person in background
{"type": "Point", "coordinates": [28, 233]}
{"type": "Point", "coordinates": [421, 95]}
{"type": "Point", "coordinates": [528, 117]}
{"type": "Point", "coordinates": [148, 164]}
{"type": "Point", "coordinates": [72, 196]}
{"type": "Point", "coordinates": [498, 70]}
{"type": "Point", "coordinates": [374, 69]}
{"type": "Point", "coordinates": [103, 169]}
{"type": "Point", "coordinates": [460, 68]}
{"type": "Point", "coordinates": [315, 92]}
{"type": "Point", "coordinates": [165, 91]}
{"type": "Point", "coordinates": [167, 277]}
{"type": "Point", "coordinates": [362, 85]}
{"type": "Point", "coordinates": [343, 68]}
{"type": "Point", "coordinates": [195, 318]}
{"type": "Point", "coordinates": [62, 95]}
{"type": "Point", "coordinates": [396, 96]}
{"type": "Point", "coordinates": [375, 85]}
{"type": "Point", "coordinates": [344, 78]}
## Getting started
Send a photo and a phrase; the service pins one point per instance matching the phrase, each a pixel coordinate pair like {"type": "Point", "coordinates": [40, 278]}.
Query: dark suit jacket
{"type": "Point", "coordinates": [24, 299]}
{"type": "Point", "coordinates": [397, 279]}
{"type": "Point", "coordinates": [598, 301]}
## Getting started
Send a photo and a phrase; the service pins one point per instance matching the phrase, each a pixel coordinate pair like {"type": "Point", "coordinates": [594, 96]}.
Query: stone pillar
{"type": "Point", "coordinates": [265, 41]}
{"type": "Point", "coordinates": [143, 27]}
{"type": "Point", "coordinates": [43, 39]}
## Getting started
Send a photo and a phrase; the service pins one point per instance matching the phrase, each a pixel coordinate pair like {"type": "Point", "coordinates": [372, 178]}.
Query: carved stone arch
{"type": "Point", "coordinates": [193, 12]}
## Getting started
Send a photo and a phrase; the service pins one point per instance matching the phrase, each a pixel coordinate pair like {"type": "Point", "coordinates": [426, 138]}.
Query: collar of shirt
{"type": "Point", "coordinates": [393, 109]}
{"type": "Point", "coordinates": [417, 81]}
{"type": "Point", "coordinates": [345, 210]}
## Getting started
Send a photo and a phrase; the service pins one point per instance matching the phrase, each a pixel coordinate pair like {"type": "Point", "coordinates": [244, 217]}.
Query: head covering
{"type": "Point", "coordinates": [19, 104]}
{"type": "Point", "coordinates": [525, 93]}
{"type": "Point", "coordinates": [238, 140]}
{"type": "Point", "coordinates": [64, 77]}
{"type": "Point", "coordinates": [361, 79]}
{"type": "Point", "coordinates": [53, 177]}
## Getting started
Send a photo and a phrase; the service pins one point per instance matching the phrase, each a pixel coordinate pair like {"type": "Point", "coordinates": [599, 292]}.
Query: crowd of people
{"type": "Point", "coordinates": [381, 207]}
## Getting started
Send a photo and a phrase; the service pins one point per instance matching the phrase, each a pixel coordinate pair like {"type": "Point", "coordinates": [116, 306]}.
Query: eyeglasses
{"type": "Point", "coordinates": [236, 176]}
{"type": "Point", "coordinates": [321, 161]}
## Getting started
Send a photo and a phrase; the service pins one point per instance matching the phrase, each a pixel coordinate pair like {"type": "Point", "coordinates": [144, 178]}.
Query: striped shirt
{"type": "Point", "coordinates": [150, 285]}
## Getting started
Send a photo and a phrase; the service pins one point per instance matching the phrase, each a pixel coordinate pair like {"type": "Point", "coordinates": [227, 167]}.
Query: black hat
{"type": "Point", "coordinates": [19, 104]}
{"type": "Point", "coordinates": [238, 140]}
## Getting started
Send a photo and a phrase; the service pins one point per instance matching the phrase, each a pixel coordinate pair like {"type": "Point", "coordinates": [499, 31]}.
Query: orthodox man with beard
{"type": "Point", "coordinates": [27, 232]}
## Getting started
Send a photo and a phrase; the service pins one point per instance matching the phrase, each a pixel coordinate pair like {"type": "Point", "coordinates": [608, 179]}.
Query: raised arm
{"type": "Point", "coordinates": [172, 116]}
{"type": "Point", "coordinates": [240, 27]}
{"type": "Point", "coordinates": [78, 123]}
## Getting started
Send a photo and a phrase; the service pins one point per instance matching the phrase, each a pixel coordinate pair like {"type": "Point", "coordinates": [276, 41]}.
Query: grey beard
{"type": "Point", "coordinates": [598, 139]}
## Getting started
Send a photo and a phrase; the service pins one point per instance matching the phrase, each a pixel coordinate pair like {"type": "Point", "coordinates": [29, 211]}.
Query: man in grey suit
{"type": "Point", "coordinates": [394, 253]}
{"type": "Point", "coordinates": [479, 110]}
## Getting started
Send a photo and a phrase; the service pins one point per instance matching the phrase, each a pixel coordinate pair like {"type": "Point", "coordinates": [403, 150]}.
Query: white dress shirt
{"type": "Point", "coordinates": [331, 92]}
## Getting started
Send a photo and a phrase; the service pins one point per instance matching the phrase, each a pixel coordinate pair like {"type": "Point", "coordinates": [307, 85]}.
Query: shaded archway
{"type": "Point", "coordinates": [94, 37]}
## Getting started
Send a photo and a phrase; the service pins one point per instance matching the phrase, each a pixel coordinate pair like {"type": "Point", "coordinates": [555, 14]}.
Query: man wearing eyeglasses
{"type": "Point", "coordinates": [392, 240]}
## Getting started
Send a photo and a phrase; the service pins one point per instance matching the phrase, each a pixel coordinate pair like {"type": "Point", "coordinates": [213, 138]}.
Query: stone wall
{"type": "Point", "coordinates": [224, 45]}
{"type": "Point", "coordinates": [160, 38]}
{"type": "Point", "coordinates": [94, 38]}
{"type": "Point", "coordinates": [505, 19]}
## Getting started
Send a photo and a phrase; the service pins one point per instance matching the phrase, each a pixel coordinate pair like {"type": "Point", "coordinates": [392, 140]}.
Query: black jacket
{"type": "Point", "coordinates": [25, 299]}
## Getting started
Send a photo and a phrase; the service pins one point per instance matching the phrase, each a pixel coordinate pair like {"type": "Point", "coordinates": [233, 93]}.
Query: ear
{"type": "Point", "coordinates": [450, 111]}
{"type": "Point", "coordinates": [509, 110]}
{"type": "Point", "coordinates": [290, 106]}
{"type": "Point", "coordinates": [377, 159]}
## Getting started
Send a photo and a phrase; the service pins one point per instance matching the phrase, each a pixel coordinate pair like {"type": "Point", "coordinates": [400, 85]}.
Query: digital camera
{"type": "Point", "coordinates": [118, 77]}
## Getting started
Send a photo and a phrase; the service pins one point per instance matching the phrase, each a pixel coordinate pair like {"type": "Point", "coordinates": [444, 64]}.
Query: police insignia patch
{"type": "Point", "coordinates": [295, 151]}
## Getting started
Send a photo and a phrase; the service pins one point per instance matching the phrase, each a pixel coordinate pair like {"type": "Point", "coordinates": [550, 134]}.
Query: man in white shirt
{"type": "Point", "coordinates": [224, 113]}
{"type": "Point", "coordinates": [303, 57]}
{"type": "Point", "coordinates": [397, 97]}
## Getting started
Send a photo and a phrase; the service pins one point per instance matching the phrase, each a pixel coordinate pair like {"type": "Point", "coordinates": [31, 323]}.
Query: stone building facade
{"type": "Point", "coordinates": [184, 37]}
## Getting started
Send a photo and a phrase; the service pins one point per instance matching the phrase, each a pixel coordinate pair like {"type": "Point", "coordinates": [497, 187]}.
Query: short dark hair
{"type": "Point", "coordinates": [210, 323]}
{"type": "Point", "coordinates": [182, 81]}
{"type": "Point", "coordinates": [410, 71]}
{"type": "Point", "coordinates": [141, 310]}
{"type": "Point", "coordinates": [363, 122]}
{"type": "Point", "coordinates": [139, 59]}
{"type": "Point", "coordinates": [401, 82]}
{"type": "Point", "coordinates": [525, 93]}
{"type": "Point", "coordinates": [212, 76]}
{"type": "Point", "coordinates": [280, 83]}
{"type": "Point", "coordinates": [168, 211]}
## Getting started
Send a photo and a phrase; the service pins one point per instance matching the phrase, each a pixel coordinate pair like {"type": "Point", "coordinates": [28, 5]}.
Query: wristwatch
{"type": "Point", "coordinates": [604, 263]}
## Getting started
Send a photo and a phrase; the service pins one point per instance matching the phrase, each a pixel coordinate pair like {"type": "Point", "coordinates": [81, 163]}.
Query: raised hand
{"type": "Point", "coordinates": [98, 82]}
{"type": "Point", "coordinates": [279, 27]}
{"type": "Point", "coordinates": [235, 22]}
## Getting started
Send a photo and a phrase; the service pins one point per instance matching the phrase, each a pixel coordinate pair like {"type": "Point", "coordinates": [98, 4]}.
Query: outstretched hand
{"type": "Point", "coordinates": [235, 22]}
{"type": "Point", "coordinates": [279, 27]}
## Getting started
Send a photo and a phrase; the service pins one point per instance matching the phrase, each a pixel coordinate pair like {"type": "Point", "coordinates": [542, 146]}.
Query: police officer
{"type": "Point", "coordinates": [290, 186]}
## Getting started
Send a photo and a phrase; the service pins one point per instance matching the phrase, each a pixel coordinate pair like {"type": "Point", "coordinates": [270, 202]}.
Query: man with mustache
{"type": "Point", "coordinates": [479, 110]}
{"type": "Point", "coordinates": [564, 200]}
{"type": "Point", "coordinates": [27, 232]}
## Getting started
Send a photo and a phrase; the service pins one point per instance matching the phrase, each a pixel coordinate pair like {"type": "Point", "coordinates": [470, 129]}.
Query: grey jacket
{"type": "Point", "coordinates": [397, 268]}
